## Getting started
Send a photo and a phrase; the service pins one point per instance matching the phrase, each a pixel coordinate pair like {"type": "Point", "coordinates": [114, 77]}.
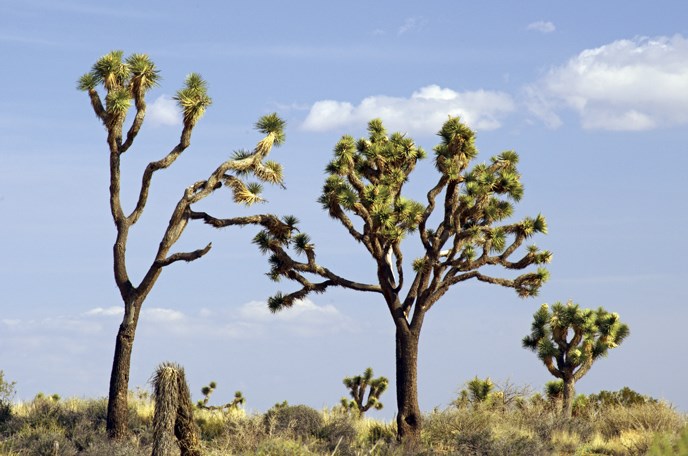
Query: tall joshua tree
{"type": "Point", "coordinates": [366, 179]}
{"type": "Point", "coordinates": [124, 81]}
{"type": "Point", "coordinates": [568, 340]}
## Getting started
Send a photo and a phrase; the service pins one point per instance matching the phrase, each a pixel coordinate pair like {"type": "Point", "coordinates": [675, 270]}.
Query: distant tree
{"type": "Point", "coordinates": [208, 390]}
{"type": "Point", "coordinates": [366, 179]}
{"type": "Point", "coordinates": [357, 390]}
{"type": "Point", "coordinates": [568, 340]}
{"type": "Point", "coordinates": [126, 81]}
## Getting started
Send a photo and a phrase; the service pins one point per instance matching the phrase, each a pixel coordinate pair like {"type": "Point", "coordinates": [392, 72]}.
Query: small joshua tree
{"type": "Point", "coordinates": [569, 340]}
{"type": "Point", "coordinates": [207, 391]}
{"type": "Point", "coordinates": [357, 389]}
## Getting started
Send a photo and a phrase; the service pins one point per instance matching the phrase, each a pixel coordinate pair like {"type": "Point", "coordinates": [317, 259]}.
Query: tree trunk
{"type": "Point", "coordinates": [118, 411]}
{"type": "Point", "coordinates": [569, 392]}
{"type": "Point", "coordinates": [408, 416]}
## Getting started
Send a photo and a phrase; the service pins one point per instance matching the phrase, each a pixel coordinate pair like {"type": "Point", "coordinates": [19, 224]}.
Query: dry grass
{"type": "Point", "coordinates": [78, 425]}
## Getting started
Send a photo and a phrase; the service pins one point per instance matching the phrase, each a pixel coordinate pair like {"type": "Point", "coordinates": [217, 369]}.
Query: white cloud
{"type": "Point", "coordinates": [304, 318]}
{"type": "Point", "coordinates": [412, 24]}
{"type": "Point", "coordinates": [161, 315]}
{"type": "Point", "coordinates": [637, 84]}
{"type": "Point", "coordinates": [541, 26]}
{"type": "Point", "coordinates": [106, 312]}
{"type": "Point", "coordinates": [163, 112]}
{"type": "Point", "coordinates": [423, 112]}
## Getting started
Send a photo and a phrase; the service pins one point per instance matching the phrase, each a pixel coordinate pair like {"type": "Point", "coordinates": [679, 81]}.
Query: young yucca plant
{"type": "Point", "coordinates": [357, 389]}
{"type": "Point", "coordinates": [568, 340]}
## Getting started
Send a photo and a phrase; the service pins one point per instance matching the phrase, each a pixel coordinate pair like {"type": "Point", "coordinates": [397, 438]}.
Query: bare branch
{"type": "Point", "coordinates": [138, 120]}
{"type": "Point", "coordinates": [152, 167]}
{"type": "Point", "coordinates": [98, 106]}
{"type": "Point", "coordinates": [184, 256]}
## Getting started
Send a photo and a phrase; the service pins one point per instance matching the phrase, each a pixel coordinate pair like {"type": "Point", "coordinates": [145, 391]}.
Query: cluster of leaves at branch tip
{"type": "Point", "coordinates": [129, 79]}
{"type": "Point", "coordinates": [357, 387]}
{"type": "Point", "coordinates": [208, 390]}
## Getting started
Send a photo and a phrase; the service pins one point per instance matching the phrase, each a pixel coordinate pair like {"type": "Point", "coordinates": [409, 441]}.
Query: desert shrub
{"type": "Point", "coordinates": [339, 433]}
{"type": "Point", "coordinates": [667, 445]}
{"type": "Point", "coordinates": [625, 397]}
{"type": "Point", "coordinates": [42, 441]}
{"type": "Point", "coordinates": [378, 432]}
{"type": "Point", "coordinates": [461, 431]}
{"type": "Point", "coordinates": [106, 447]}
{"type": "Point", "coordinates": [7, 391]}
{"type": "Point", "coordinates": [299, 420]}
{"type": "Point", "coordinates": [278, 446]}
{"type": "Point", "coordinates": [651, 417]}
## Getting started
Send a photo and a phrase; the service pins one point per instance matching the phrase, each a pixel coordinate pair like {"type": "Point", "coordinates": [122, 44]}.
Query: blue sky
{"type": "Point", "coordinates": [593, 96]}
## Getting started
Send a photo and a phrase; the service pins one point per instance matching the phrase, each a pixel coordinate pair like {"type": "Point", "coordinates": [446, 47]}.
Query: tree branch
{"type": "Point", "coordinates": [152, 167]}
{"type": "Point", "coordinates": [184, 256]}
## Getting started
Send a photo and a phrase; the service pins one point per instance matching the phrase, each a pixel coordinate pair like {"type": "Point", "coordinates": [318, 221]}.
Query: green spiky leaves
{"type": "Point", "coordinates": [193, 98]}
{"type": "Point", "coordinates": [568, 339]}
{"type": "Point", "coordinates": [272, 124]}
{"type": "Point", "coordinates": [144, 75]}
{"type": "Point", "coordinates": [136, 72]}
{"type": "Point", "coordinates": [358, 386]}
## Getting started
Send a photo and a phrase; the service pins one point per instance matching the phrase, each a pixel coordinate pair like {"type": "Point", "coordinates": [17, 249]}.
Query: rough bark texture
{"type": "Point", "coordinates": [568, 393]}
{"type": "Point", "coordinates": [117, 416]}
{"type": "Point", "coordinates": [409, 415]}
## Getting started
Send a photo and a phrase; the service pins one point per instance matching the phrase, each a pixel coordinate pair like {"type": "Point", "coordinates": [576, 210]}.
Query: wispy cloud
{"type": "Point", "coordinates": [423, 112]}
{"type": "Point", "coordinates": [164, 112]}
{"type": "Point", "coordinates": [626, 85]}
{"type": "Point", "coordinates": [541, 26]}
{"type": "Point", "coordinates": [411, 24]}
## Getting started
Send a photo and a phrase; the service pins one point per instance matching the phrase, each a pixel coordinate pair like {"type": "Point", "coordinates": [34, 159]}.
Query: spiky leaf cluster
{"type": "Point", "coordinates": [568, 339]}
{"type": "Point", "coordinates": [357, 387]}
{"type": "Point", "coordinates": [193, 98]}
{"type": "Point", "coordinates": [366, 177]}
{"type": "Point", "coordinates": [124, 80]}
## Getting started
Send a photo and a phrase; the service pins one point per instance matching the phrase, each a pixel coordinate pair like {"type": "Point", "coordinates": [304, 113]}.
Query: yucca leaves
{"type": "Point", "coordinates": [111, 71]}
{"type": "Point", "coordinates": [87, 82]}
{"type": "Point", "coordinates": [193, 98]}
{"type": "Point", "coordinates": [143, 71]}
{"type": "Point", "coordinates": [574, 337]}
{"type": "Point", "coordinates": [118, 102]}
{"type": "Point", "coordinates": [272, 124]}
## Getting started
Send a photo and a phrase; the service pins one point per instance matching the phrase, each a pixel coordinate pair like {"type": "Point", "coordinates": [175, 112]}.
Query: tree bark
{"type": "Point", "coordinates": [118, 411]}
{"type": "Point", "coordinates": [569, 391]}
{"type": "Point", "coordinates": [408, 416]}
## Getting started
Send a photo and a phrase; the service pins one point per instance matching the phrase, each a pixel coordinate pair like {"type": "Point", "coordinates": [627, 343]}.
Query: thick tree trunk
{"type": "Point", "coordinates": [408, 416]}
{"type": "Point", "coordinates": [118, 412]}
{"type": "Point", "coordinates": [567, 410]}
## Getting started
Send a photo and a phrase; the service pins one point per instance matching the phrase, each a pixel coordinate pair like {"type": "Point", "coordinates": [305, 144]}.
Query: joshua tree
{"type": "Point", "coordinates": [207, 391]}
{"type": "Point", "coordinates": [127, 80]}
{"type": "Point", "coordinates": [357, 389]}
{"type": "Point", "coordinates": [569, 340]}
{"type": "Point", "coordinates": [174, 428]}
{"type": "Point", "coordinates": [459, 235]}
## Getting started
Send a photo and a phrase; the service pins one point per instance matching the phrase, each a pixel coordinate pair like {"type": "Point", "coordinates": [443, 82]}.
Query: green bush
{"type": "Point", "coordinates": [299, 420]}
{"type": "Point", "coordinates": [339, 433]}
